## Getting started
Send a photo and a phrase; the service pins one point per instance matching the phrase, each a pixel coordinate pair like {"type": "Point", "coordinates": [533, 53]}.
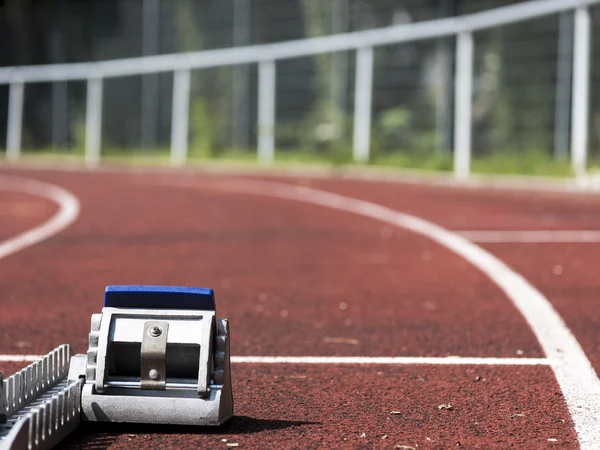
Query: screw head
{"type": "Point", "coordinates": [155, 331]}
{"type": "Point", "coordinates": [153, 374]}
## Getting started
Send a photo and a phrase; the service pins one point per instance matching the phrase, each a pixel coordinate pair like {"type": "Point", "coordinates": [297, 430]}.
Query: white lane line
{"type": "Point", "coordinates": [358, 360]}
{"type": "Point", "coordinates": [532, 236]}
{"type": "Point", "coordinates": [19, 358]}
{"type": "Point", "coordinates": [574, 373]}
{"type": "Point", "coordinates": [66, 215]}
{"type": "Point", "coordinates": [399, 360]}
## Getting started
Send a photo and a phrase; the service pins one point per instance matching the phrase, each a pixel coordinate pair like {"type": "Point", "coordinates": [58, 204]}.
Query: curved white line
{"type": "Point", "coordinates": [573, 371]}
{"type": "Point", "coordinates": [66, 215]}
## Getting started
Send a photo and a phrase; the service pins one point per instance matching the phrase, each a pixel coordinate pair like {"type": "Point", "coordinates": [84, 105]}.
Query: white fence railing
{"type": "Point", "coordinates": [266, 56]}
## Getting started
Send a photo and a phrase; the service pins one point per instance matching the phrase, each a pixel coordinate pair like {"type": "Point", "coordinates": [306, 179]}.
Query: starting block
{"type": "Point", "coordinates": [156, 355]}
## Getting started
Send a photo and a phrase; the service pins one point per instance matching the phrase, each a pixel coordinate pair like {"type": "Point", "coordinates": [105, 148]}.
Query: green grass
{"type": "Point", "coordinates": [413, 160]}
{"type": "Point", "coordinates": [531, 162]}
{"type": "Point", "coordinates": [521, 163]}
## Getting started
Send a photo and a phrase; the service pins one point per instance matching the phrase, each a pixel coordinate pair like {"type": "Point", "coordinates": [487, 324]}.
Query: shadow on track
{"type": "Point", "coordinates": [96, 436]}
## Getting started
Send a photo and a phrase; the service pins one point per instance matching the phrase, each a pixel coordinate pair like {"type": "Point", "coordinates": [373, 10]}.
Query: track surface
{"type": "Point", "coordinates": [297, 279]}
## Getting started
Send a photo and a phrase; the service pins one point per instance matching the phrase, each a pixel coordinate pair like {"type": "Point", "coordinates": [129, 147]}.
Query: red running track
{"type": "Point", "coordinates": [297, 279]}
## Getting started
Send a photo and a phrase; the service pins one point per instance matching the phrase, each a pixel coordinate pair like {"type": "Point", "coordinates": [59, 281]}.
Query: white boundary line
{"type": "Point", "coordinates": [532, 236]}
{"type": "Point", "coordinates": [19, 358]}
{"type": "Point", "coordinates": [398, 360]}
{"type": "Point", "coordinates": [66, 215]}
{"type": "Point", "coordinates": [574, 372]}
{"type": "Point", "coordinates": [357, 360]}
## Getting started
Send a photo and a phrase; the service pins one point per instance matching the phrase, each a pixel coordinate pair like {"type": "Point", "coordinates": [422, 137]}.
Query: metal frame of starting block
{"type": "Point", "coordinates": [156, 355]}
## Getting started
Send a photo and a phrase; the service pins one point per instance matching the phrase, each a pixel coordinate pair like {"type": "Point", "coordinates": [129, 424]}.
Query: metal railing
{"type": "Point", "coordinates": [267, 55]}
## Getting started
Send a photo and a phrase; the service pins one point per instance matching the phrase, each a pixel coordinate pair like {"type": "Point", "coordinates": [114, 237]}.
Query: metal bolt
{"type": "Point", "coordinates": [155, 331]}
{"type": "Point", "coordinates": [153, 374]}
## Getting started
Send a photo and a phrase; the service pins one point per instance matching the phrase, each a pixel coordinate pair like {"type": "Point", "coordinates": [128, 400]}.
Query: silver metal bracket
{"type": "Point", "coordinates": [153, 355]}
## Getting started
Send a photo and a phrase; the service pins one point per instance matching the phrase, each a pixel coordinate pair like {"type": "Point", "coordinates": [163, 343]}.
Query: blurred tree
{"type": "Point", "coordinates": [211, 96]}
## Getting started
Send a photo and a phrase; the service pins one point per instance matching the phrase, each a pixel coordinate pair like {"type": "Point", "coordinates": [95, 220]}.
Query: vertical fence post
{"type": "Point", "coordinates": [266, 111]}
{"type": "Point", "coordinates": [363, 90]}
{"type": "Point", "coordinates": [180, 116]}
{"type": "Point", "coordinates": [93, 121]}
{"type": "Point", "coordinates": [463, 104]}
{"type": "Point", "coordinates": [581, 81]}
{"type": "Point", "coordinates": [15, 120]}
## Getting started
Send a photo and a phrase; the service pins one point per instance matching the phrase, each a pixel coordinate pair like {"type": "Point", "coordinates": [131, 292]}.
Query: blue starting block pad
{"type": "Point", "coordinates": [159, 297]}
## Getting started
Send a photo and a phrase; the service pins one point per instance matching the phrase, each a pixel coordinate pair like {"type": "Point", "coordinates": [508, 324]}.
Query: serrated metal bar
{"type": "Point", "coordinates": [45, 422]}
{"type": "Point", "coordinates": [38, 407]}
{"type": "Point", "coordinates": [27, 383]}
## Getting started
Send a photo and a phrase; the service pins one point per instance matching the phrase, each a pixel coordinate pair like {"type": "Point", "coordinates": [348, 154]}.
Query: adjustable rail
{"type": "Point", "coordinates": [38, 407]}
